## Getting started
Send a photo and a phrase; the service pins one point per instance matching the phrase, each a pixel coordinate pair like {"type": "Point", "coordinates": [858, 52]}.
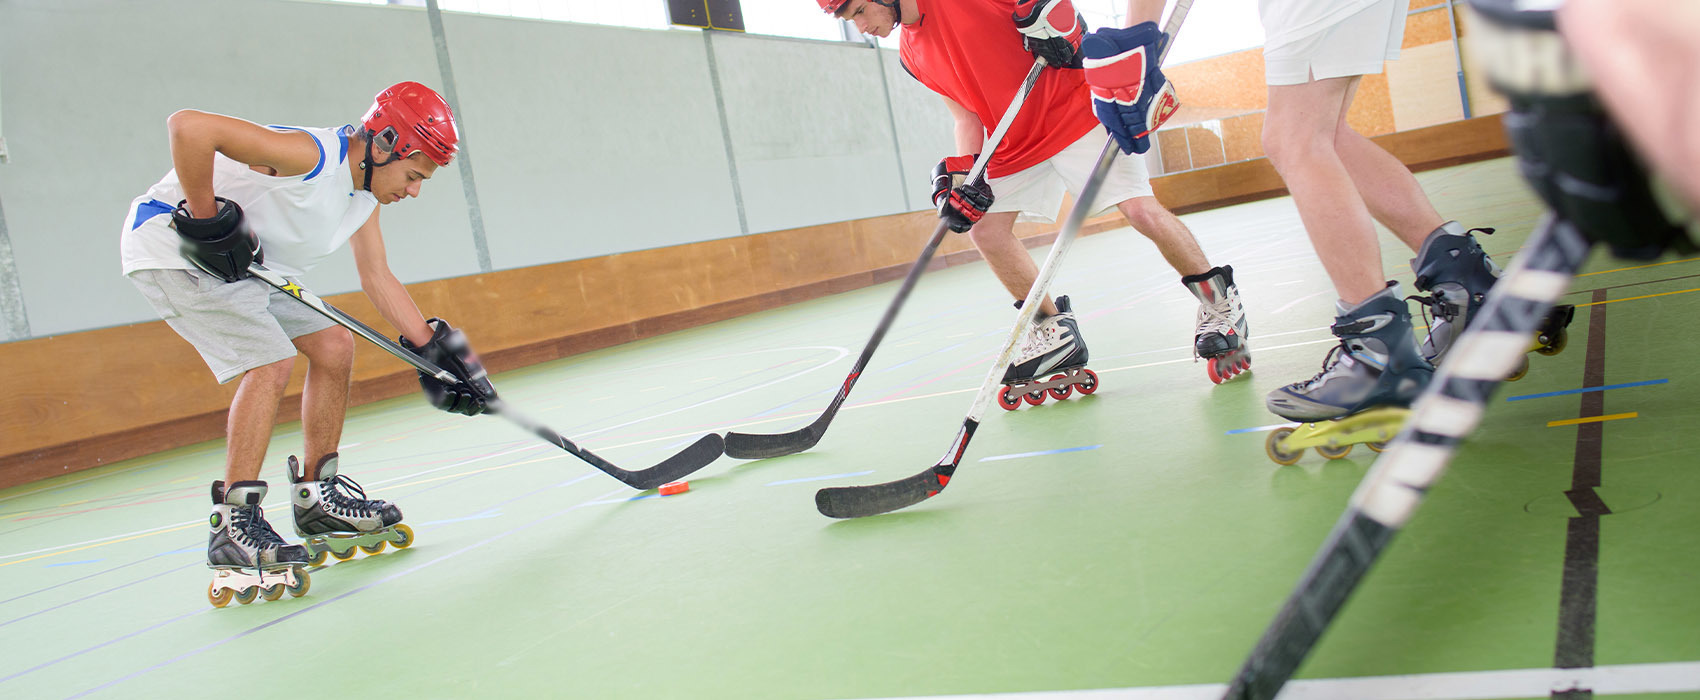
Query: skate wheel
{"type": "Point", "coordinates": [1557, 344]}
{"type": "Point", "coordinates": [344, 555]}
{"type": "Point", "coordinates": [1274, 446]}
{"type": "Point", "coordinates": [1061, 392]}
{"type": "Point", "coordinates": [247, 595]}
{"type": "Point", "coordinates": [406, 535]}
{"type": "Point", "coordinates": [374, 548]}
{"type": "Point", "coordinates": [272, 592]}
{"type": "Point", "coordinates": [318, 558]}
{"type": "Point", "coordinates": [1091, 383]}
{"type": "Point", "coordinates": [302, 582]}
{"type": "Point", "coordinates": [219, 597]}
{"type": "Point", "coordinates": [1339, 452]}
{"type": "Point", "coordinates": [1521, 371]}
{"type": "Point", "coordinates": [1008, 402]}
{"type": "Point", "coordinates": [1377, 446]}
{"type": "Point", "coordinates": [1215, 376]}
{"type": "Point", "coordinates": [1034, 398]}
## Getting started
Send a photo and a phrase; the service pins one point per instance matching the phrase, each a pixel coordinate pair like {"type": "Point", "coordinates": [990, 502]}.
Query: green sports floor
{"type": "Point", "coordinates": [1129, 544]}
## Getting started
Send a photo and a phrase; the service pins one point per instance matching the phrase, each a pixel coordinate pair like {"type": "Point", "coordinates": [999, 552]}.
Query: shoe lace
{"type": "Point", "coordinates": [1214, 317]}
{"type": "Point", "coordinates": [251, 522]}
{"type": "Point", "coordinates": [338, 490]}
{"type": "Point", "coordinates": [1328, 363]}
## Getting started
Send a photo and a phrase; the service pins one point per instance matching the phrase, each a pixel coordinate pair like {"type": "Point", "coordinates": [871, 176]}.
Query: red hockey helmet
{"type": "Point", "coordinates": [832, 7]}
{"type": "Point", "coordinates": [408, 118]}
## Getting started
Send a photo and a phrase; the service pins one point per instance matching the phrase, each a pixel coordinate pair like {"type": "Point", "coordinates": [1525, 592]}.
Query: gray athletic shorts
{"type": "Point", "coordinates": [236, 326]}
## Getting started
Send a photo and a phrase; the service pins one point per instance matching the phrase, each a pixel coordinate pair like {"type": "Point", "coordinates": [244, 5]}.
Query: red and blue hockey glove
{"type": "Point", "coordinates": [1051, 29]}
{"type": "Point", "coordinates": [960, 203]}
{"type": "Point", "coordinates": [1129, 93]}
{"type": "Point", "coordinates": [449, 350]}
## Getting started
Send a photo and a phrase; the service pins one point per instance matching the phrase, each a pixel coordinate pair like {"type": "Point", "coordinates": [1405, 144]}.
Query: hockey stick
{"type": "Point", "coordinates": [1441, 418]}
{"type": "Point", "coordinates": [874, 499]}
{"type": "Point", "coordinates": [698, 455]}
{"type": "Point", "coordinates": [762, 446]}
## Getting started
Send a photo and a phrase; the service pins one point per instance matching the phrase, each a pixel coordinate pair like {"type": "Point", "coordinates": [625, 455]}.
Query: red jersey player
{"type": "Point", "coordinates": [975, 54]}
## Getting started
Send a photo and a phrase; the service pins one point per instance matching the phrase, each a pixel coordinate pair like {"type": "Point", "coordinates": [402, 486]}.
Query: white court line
{"type": "Point", "coordinates": [1676, 677]}
{"type": "Point", "coordinates": [1298, 301]}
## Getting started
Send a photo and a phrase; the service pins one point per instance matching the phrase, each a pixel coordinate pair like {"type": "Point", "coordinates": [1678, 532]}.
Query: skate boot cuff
{"type": "Point", "coordinates": [1226, 272]}
{"type": "Point", "coordinates": [241, 493]}
{"type": "Point", "coordinates": [326, 469]}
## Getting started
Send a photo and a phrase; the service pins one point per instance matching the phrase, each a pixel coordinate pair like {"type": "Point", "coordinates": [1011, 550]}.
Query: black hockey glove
{"type": "Point", "coordinates": [960, 203]}
{"type": "Point", "coordinates": [449, 350]}
{"type": "Point", "coordinates": [222, 245]}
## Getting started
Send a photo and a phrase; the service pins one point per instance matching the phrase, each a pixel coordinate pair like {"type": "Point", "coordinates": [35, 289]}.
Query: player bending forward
{"type": "Point", "coordinates": [287, 197]}
{"type": "Point", "coordinates": [975, 54]}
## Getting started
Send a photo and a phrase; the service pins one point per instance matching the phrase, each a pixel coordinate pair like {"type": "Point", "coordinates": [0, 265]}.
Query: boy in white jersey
{"type": "Point", "coordinates": [289, 197]}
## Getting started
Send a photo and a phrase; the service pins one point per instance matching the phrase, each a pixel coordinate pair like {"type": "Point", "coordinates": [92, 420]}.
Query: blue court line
{"type": "Point", "coordinates": [1585, 390]}
{"type": "Point", "coordinates": [819, 478]}
{"type": "Point", "coordinates": [72, 563]}
{"type": "Point", "coordinates": [1039, 453]}
{"type": "Point", "coordinates": [1260, 429]}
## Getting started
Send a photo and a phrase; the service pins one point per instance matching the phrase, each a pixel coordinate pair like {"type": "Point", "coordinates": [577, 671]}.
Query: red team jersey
{"type": "Point", "coordinates": [970, 52]}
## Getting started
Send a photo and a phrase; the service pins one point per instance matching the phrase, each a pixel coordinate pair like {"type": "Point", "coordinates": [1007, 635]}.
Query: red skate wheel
{"type": "Point", "coordinates": [1210, 369]}
{"type": "Point", "coordinates": [1034, 398]}
{"type": "Point", "coordinates": [1008, 402]}
{"type": "Point", "coordinates": [674, 487]}
{"type": "Point", "coordinates": [1091, 383]}
{"type": "Point", "coordinates": [1061, 392]}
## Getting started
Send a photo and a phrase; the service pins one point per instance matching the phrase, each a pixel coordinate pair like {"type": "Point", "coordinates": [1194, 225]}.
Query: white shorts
{"type": "Point", "coordinates": [1037, 192]}
{"type": "Point", "coordinates": [1358, 45]}
{"type": "Point", "coordinates": [236, 326]}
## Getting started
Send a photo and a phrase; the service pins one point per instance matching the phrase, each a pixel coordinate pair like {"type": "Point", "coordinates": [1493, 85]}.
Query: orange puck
{"type": "Point", "coordinates": [675, 487]}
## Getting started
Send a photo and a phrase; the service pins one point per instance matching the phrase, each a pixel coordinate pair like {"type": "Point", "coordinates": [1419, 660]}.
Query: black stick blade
{"type": "Point", "coordinates": [756, 446]}
{"type": "Point", "coordinates": [705, 450]}
{"type": "Point", "coordinates": [874, 499]}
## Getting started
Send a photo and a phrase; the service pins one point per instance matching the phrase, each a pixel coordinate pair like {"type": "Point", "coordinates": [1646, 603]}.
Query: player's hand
{"type": "Point", "coordinates": [449, 350]}
{"type": "Point", "coordinates": [1051, 29]}
{"type": "Point", "coordinates": [960, 203]}
{"type": "Point", "coordinates": [1129, 93]}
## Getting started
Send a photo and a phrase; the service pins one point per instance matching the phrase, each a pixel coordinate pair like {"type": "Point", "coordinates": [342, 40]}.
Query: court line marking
{"type": "Point", "coordinates": [1638, 267]}
{"type": "Point", "coordinates": [827, 477]}
{"type": "Point", "coordinates": [1040, 453]}
{"type": "Point", "coordinates": [1644, 296]}
{"type": "Point", "coordinates": [1592, 419]}
{"type": "Point", "coordinates": [1586, 389]}
{"type": "Point", "coordinates": [1621, 679]}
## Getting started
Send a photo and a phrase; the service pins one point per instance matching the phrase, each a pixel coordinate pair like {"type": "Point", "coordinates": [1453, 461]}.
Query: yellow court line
{"type": "Point", "coordinates": [1644, 296]}
{"type": "Point", "coordinates": [1592, 419]}
{"type": "Point", "coordinates": [99, 544]}
{"type": "Point", "coordinates": [1638, 267]}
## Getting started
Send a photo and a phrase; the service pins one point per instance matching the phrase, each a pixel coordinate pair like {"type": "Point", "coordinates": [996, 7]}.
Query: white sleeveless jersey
{"type": "Point", "coordinates": [300, 219]}
{"type": "Point", "coordinates": [1285, 21]}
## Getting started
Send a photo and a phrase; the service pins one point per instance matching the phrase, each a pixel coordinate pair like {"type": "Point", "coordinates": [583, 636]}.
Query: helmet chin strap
{"type": "Point", "coordinates": [368, 165]}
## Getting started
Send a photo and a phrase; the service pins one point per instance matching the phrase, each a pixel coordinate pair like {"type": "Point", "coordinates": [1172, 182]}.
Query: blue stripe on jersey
{"type": "Point", "coordinates": [148, 210]}
{"type": "Point", "coordinates": [342, 134]}
{"type": "Point", "coordinates": [316, 168]}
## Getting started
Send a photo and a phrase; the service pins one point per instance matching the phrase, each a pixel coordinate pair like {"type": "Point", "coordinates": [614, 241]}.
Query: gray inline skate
{"type": "Point", "coordinates": [1365, 388]}
{"type": "Point", "coordinates": [334, 516]}
{"type": "Point", "coordinates": [247, 556]}
{"type": "Point", "coordinates": [1456, 274]}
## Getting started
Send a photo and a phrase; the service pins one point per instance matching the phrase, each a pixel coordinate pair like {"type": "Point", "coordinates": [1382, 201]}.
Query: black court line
{"type": "Point", "coordinates": [1578, 592]}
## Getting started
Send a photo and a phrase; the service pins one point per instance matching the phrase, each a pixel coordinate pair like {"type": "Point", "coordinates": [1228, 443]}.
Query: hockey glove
{"type": "Point", "coordinates": [221, 245]}
{"type": "Point", "coordinates": [1129, 93]}
{"type": "Point", "coordinates": [449, 350]}
{"type": "Point", "coordinates": [960, 203]}
{"type": "Point", "coordinates": [1051, 29]}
